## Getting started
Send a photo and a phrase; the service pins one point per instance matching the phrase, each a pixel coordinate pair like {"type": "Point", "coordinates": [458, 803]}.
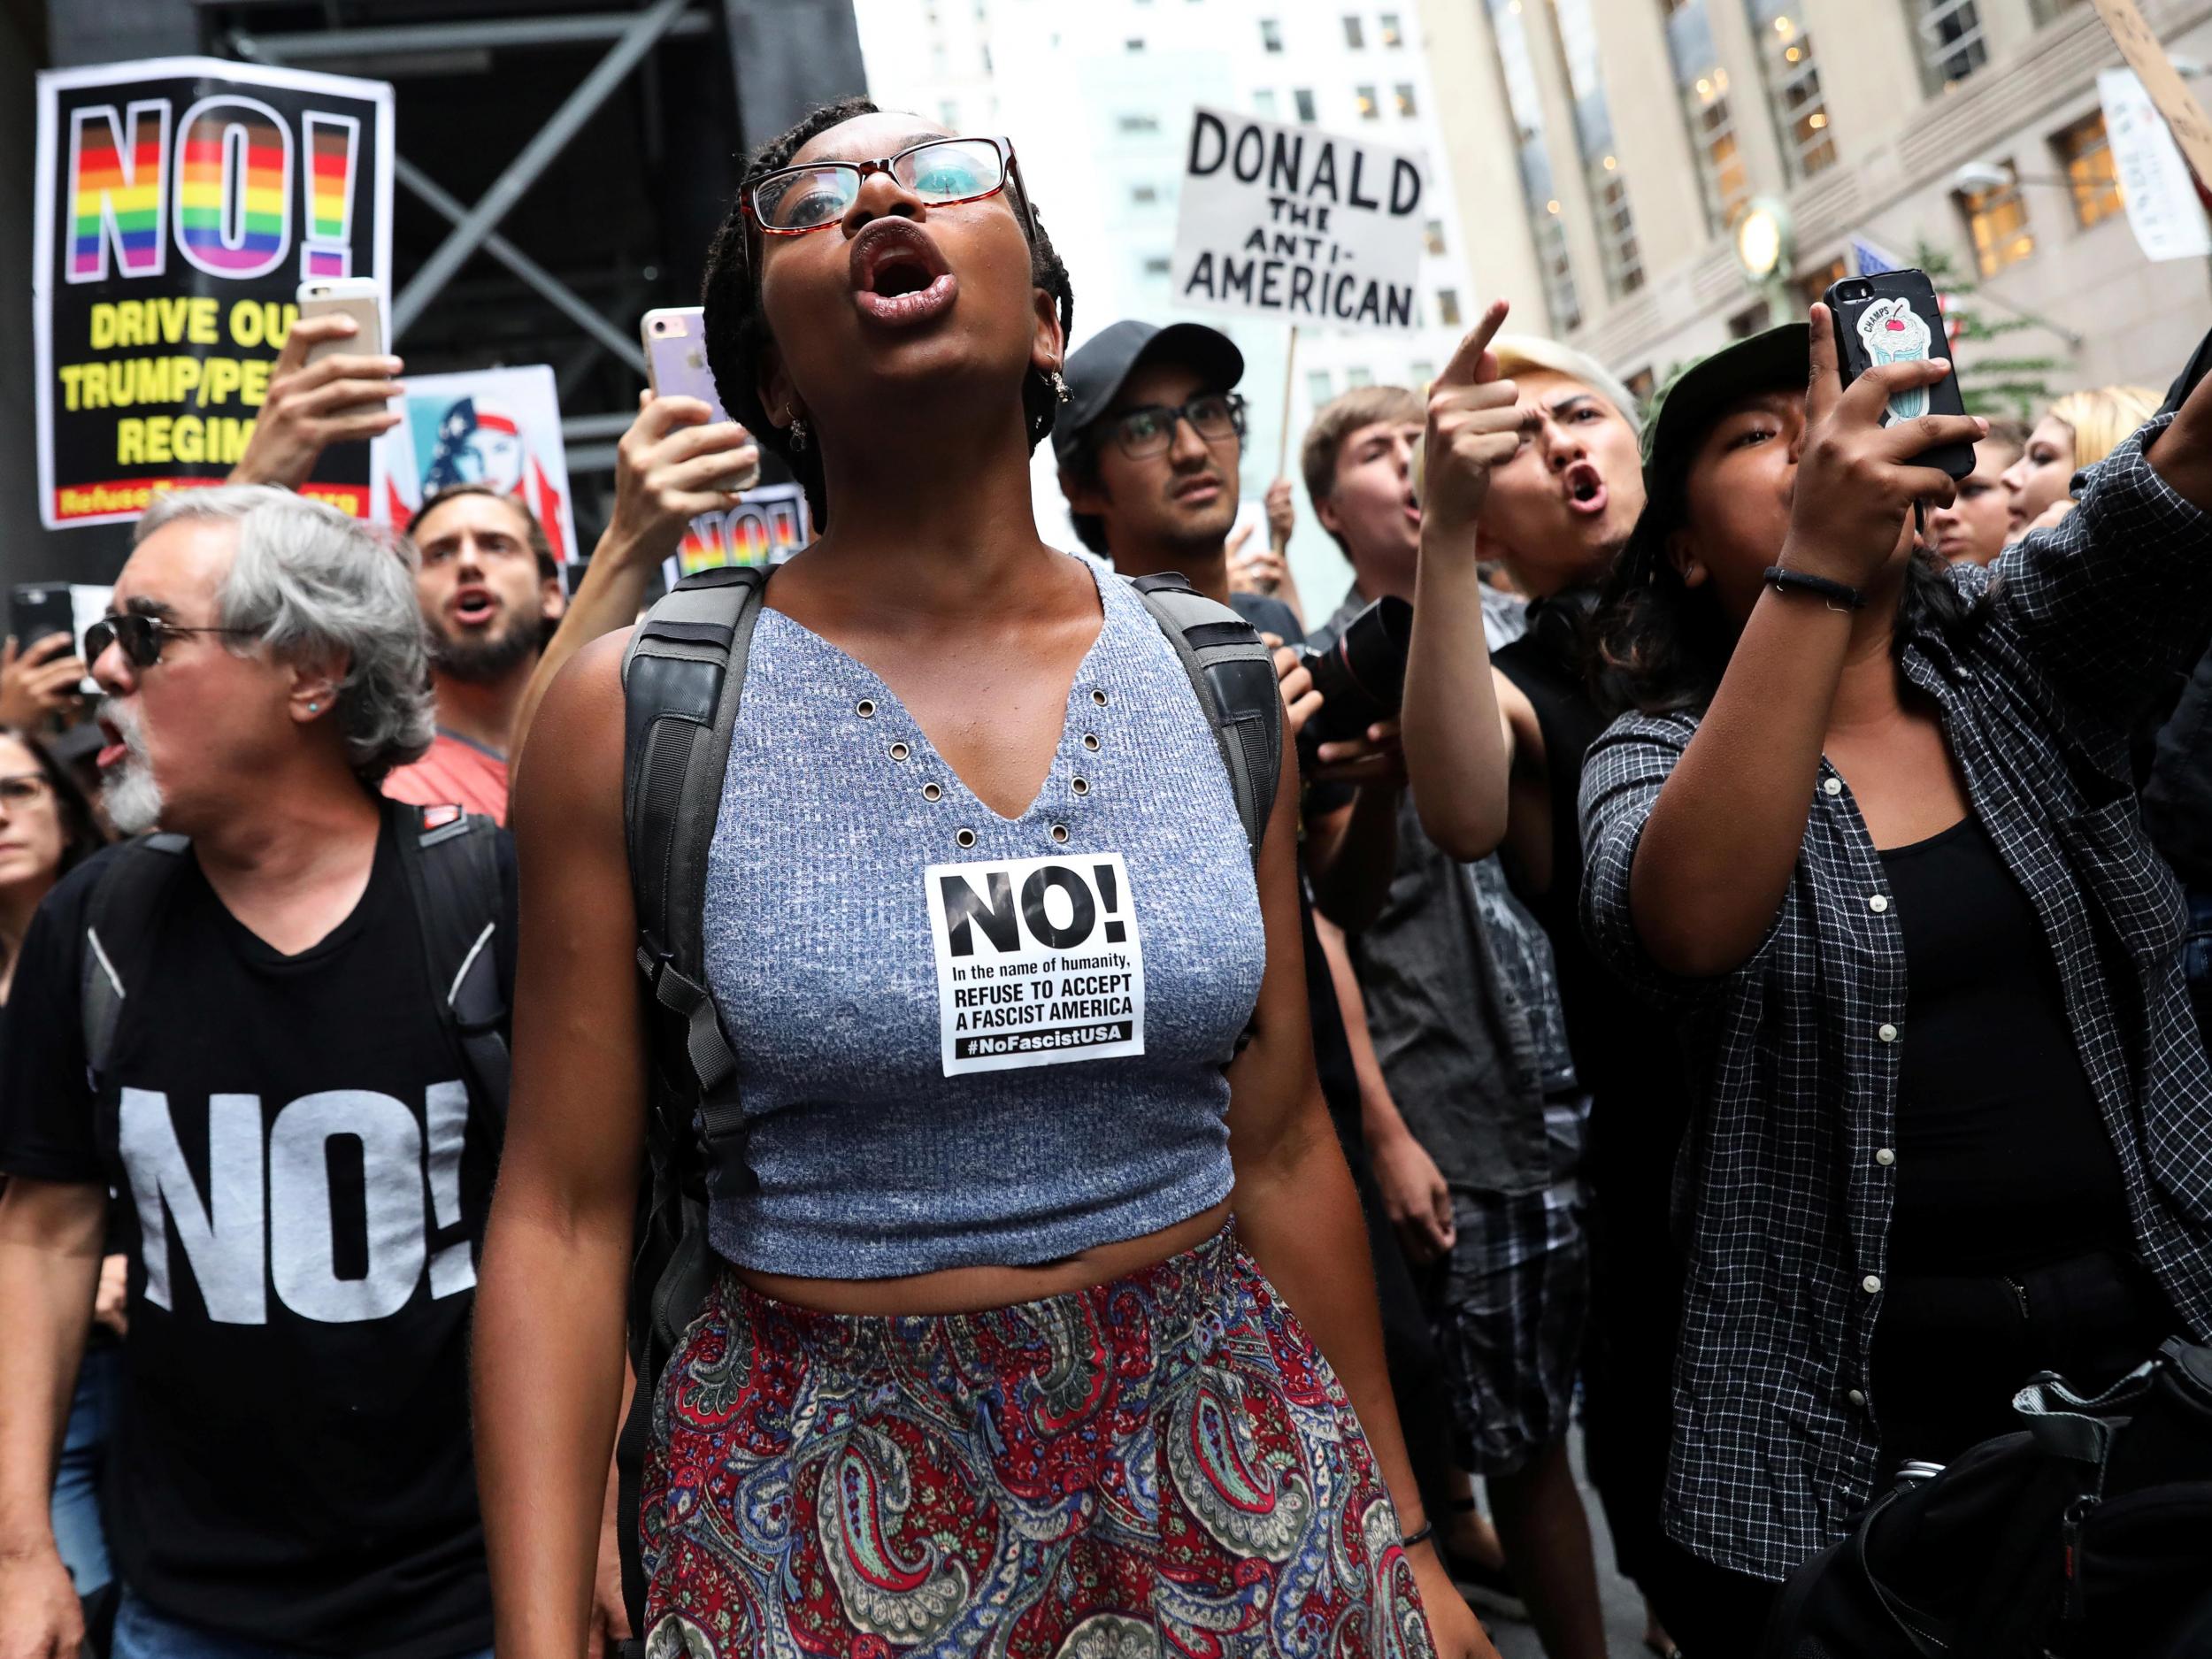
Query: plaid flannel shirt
{"type": "Point", "coordinates": [1786, 1179]}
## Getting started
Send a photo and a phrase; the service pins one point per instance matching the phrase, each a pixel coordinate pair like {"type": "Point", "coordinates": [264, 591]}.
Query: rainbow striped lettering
{"type": "Point", "coordinates": [116, 189]}
{"type": "Point", "coordinates": [233, 202]}
{"type": "Point", "coordinates": [333, 144]}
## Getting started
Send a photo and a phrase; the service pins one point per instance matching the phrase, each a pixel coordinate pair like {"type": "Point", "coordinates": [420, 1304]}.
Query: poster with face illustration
{"type": "Point", "coordinates": [500, 427]}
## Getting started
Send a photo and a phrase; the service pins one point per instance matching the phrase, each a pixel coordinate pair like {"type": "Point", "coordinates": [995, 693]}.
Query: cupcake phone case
{"type": "Point", "coordinates": [1894, 317]}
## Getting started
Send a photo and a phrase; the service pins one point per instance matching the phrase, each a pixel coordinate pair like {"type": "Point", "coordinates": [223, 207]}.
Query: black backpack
{"type": "Point", "coordinates": [2087, 1535]}
{"type": "Point", "coordinates": [682, 677]}
{"type": "Point", "coordinates": [452, 877]}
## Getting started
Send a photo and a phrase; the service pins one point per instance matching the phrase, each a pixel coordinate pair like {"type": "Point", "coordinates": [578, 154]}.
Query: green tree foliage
{"type": "Point", "coordinates": [1994, 385]}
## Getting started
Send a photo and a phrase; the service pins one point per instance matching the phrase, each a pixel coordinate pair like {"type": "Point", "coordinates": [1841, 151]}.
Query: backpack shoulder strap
{"type": "Point", "coordinates": [1234, 674]}
{"type": "Point", "coordinates": [120, 919]}
{"type": "Point", "coordinates": [452, 866]}
{"type": "Point", "coordinates": [681, 679]}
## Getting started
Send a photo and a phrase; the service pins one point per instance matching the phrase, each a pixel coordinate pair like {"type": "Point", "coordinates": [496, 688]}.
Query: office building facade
{"type": "Point", "coordinates": [1613, 149]}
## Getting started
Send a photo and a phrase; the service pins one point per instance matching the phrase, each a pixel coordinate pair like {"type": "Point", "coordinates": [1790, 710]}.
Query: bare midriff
{"type": "Point", "coordinates": [975, 1289]}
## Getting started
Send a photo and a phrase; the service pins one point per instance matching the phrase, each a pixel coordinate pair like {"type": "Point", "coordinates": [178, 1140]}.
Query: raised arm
{"type": "Point", "coordinates": [552, 1296]}
{"type": "Point", "coordinates": [50, 1264]}
{"type": "Point", "coordinates": [309, 406]}
{"type": "Point", "coordinates": [1298, 1214]}
{"type": "Point", "coordinates": [674, 463]}
{"type": "Point", "coordinates": [1455, 754]}
{"type": "Point", "coordinates": [1723, 835]}
{"type": "Point", "coordinates": [2115, 598]}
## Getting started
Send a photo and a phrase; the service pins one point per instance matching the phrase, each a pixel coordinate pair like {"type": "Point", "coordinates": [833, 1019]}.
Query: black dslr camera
{"type": "Point", "coordinates": [1361, 677]}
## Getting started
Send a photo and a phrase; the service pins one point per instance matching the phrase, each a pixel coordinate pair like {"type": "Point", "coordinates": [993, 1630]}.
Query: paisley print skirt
{"type": "Point", "coordinates": [1162, 1466]}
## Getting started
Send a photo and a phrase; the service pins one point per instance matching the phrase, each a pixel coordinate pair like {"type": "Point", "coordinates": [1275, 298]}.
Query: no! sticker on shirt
{"type": "Point", "coordinates": [1038, 961]}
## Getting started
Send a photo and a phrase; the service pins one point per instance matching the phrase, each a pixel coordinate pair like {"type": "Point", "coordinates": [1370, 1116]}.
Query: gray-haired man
{"type": "Point", "coordinates": [303, 1137]}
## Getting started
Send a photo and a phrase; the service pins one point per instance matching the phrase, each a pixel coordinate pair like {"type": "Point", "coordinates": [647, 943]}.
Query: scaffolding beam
{"type": "Point", "coordinates": [556, 293]}
{"type": "Point", "coordinates": [405, 40]}
{"type": "Point", "coordinates": [644, 31]}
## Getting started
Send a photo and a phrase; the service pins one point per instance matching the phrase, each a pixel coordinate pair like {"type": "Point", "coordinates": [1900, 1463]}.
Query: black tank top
{"type": "Point", "coordinates": [2002, 1158]}
{"type": "Point", "coordinates": [1626, 1054]}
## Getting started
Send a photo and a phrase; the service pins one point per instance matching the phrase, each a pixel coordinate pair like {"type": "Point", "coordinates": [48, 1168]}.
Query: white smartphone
{"type": "Point", "coordinates": [361, 298]}
{"type": "Point", "coordinates": [675, 342]}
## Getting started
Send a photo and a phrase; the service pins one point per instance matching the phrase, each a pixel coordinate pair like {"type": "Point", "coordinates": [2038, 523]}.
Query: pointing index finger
{"type": "Point", "coordinates": [1466, 367]}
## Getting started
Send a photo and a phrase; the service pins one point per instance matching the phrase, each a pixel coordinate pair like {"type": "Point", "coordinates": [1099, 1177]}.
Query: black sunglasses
{"type": "Point", "coordinates": [139, 635]}
{"type": "Point", "coordinates": [1149, 430]}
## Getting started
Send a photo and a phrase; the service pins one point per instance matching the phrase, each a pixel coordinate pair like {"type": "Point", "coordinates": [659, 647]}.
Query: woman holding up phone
{"type": "Point", "coordinates": [987, 1367]}
{"type": "Point", "coordinates": [1872, 828]}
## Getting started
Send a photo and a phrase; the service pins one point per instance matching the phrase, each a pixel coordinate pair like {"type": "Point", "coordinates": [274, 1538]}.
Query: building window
{"type": "Point", "coordinates": [1303, 99]}
{"type": "Point", "coordinates": [1155, 267]}
{"type": "Point", "coordinates": [1432, 236]}
{"type": "Point", "coordinates": [949, 112]}
{"type": "Point", "coordinates": [1387, 26]}
{"type": "Point", "coordinates": [1144, 194]}
{"type": "Point", "coordinates": [1263, 103]}
{"type": "Point", "coordinates": [1271, 34]}
{"type": "Point", "coordinates": [1643, 384]}
{"type": "Point", "coordinates": [1794, 89]}
{"type": "Point", "coordinates": [1365, 97]}
{"type": "Point", "coordinates": [1720, 164]}
{"type": "Point", "coordinates": [1997, 220]}
{"type": "Point", "coordinates": [1620, 257]}
{"type": "Point", "coordinates": [1355, 36]}
{"type": "Point", "coordinates": [1320, 390]}
{"type": "Point", "coordinates": [1420, 372]}
{"type": "Point", "coordinates": [1447, 307]}
{"type": "Point", "coordinates": [1951, 44]}
{"type": "Point", "coordinates": [1403, 94]}
{"type": "Point", "coordinates": [1139, 123]}
{"type": "Point", "coordinates": [1133, 44]}
{"type": "Point", "coordinates": [1723, 179]}
{"type": "Point", "coordinates": [1623, 259]}
{"type": "Point", "coordinates": [2085, 154]}
{"type": "Point", "coordinates": [1356, 377]}
{"type": "Point", "coordinates": [1557, 271]}
{"type": "Point", "coordinates": [1518, 69]}
{"type": "Point", "coordinates": [1749, 321]}
{"type": "Point", "coordinates": [1813, 285]}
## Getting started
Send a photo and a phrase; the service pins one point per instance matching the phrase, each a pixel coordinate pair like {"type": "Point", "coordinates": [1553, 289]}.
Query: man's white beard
{"type": "Point", "coordinates": [130, 791]}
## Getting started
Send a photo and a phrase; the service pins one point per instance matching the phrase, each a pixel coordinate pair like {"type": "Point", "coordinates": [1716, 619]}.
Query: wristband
{"type": "Point", "coordinates": [1801, 582]}
{"type": "Point", "coordinates": [1419, 1535]}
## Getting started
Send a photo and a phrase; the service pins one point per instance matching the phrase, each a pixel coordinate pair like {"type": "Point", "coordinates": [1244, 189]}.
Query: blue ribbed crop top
{"type": "Point", "coordinates": [937, 1009]}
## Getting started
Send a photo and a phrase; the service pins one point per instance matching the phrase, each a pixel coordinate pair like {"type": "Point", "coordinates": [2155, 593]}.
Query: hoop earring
{"type": "Point", "coordinates": [1059, 388]}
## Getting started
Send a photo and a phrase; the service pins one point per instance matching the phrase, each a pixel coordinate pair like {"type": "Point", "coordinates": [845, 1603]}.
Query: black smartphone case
{"type": "Point", "coordinates": [38, 609]}
{"type": "Point", "coordinates": [1880, 312]}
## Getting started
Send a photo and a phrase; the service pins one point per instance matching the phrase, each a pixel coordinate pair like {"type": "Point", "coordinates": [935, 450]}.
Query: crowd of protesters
{"type": "Point", "coordinates": [1744, 998]}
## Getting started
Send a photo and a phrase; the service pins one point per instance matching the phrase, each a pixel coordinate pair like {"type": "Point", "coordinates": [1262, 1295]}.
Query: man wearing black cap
{"type": "Point", "coordinates": [1148, 447]}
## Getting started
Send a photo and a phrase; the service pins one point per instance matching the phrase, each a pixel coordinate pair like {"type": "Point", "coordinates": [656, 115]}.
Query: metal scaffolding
{"type": "Point", "coordinates": [796, 53]}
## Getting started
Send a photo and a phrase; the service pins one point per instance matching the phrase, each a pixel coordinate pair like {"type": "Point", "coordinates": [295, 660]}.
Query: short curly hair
{"type": "Point", "coordinates": [737, 331]}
